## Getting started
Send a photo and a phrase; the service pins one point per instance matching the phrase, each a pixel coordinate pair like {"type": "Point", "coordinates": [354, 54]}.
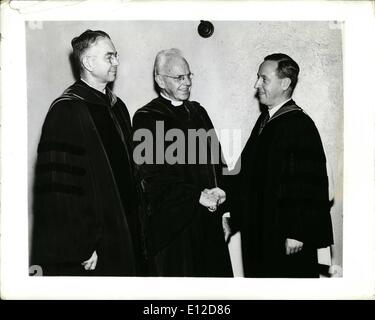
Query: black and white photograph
{"type": "Point", "coordinates": [176, 152]}
{"type": "Point", "coordinates": [88, 216]}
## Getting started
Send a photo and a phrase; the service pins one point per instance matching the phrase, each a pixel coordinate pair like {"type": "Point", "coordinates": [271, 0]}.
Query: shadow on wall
{"type": "Point", "coordinates": [74, 68]}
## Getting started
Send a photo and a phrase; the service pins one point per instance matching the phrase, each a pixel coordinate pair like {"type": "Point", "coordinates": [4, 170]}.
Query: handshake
{"type": "Point", "coordinates": [212, 198]}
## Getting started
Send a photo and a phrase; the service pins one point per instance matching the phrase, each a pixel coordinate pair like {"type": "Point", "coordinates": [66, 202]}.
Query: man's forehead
{"type": "Point", "coordinates": [176, 63]}
{"type": "Point", "coordinates": [268, 67]}
{"type": "Point", "coordinates": [103, 44]}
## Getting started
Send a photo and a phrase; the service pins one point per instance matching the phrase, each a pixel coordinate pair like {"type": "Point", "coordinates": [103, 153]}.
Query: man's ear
{"type": "Point", "coordinates": [285, 83]}
{"type": "Point", "coordinates": [160, 81]}
{"type": "Point", "coordinates": [86, 63]}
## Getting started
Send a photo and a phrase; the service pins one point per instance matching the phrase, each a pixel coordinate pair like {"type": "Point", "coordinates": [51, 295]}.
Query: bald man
{"type": "Point", "coordinates": [184, 225]}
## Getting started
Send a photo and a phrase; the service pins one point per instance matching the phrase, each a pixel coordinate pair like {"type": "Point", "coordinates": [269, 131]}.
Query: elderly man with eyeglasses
{"type": "Point", "coordinates": [183, 225]}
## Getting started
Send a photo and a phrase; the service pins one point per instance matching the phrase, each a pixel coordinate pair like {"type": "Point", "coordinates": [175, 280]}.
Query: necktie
{"type": "Point", "coordinates": [263, 122]}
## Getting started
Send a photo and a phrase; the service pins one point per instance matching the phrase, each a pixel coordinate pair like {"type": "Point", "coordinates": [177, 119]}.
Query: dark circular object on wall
{"type": "Point", "coordinates": [205, 29]}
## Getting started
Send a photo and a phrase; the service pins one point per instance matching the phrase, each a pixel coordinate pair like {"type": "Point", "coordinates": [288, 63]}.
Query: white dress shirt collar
{"type": "Point", "coordinates": [174, 102]}
{"type": "Point", "coordinates": [273, 110]}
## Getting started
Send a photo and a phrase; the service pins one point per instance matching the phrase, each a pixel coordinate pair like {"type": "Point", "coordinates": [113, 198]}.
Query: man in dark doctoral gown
{"type": "Point", "coordinates": [281, 194]}
{"type": "Point", "coordinates": [86, 199]}
{"type": "Point", "coordinates": [183, 236]}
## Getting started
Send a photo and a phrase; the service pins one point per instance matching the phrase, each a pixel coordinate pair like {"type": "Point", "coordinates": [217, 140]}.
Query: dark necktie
{"type": "Point", "coordinates": [263, 122]}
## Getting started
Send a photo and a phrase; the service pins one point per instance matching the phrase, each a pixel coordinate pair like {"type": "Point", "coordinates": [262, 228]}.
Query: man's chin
{"type": "Point", "coordinates": [184, 97]}
{"type": "Point", "coordinates": [262, 100]}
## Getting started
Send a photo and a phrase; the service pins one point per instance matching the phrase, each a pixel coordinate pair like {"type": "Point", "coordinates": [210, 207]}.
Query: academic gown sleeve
{"type": "Point", "coordinates": [225, 179]}
{"type": "Point", "coordinates": [66, 224]}
{"type": "Point", "coordinates": [173, 202]}
{"type": "Point", "coordinates": [304, 201]}
{"type": "Point", "coordinates": [231, 185]}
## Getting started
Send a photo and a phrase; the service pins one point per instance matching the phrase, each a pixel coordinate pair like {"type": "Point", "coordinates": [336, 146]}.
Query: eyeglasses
{"type": "Point", "coordinates": [112, 57]}
{"type": "Point", "coordinates": [180, 78]}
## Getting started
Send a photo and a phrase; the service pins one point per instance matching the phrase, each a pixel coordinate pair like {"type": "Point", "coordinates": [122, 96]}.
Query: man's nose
{"type": "Point", "coordinates": [115, 61]}
{"type": "Point", "coordinates": [256, 84]}
{"type": "Point", "coordinates": [187, 80]}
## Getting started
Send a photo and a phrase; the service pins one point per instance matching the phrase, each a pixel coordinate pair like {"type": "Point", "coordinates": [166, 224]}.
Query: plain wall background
{"type": "Point", "coordinates": [224, 65]}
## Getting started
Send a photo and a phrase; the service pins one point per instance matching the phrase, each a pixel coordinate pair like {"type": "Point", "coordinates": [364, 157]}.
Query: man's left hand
{"type": "Point", "coordinates": [293, 246]}
{"type": "Point", "coordinates": [90, 264]}
{"type": "Point", "coordinates": [218, 193]}
{"type": "Point", "coordinates": [226, 226]}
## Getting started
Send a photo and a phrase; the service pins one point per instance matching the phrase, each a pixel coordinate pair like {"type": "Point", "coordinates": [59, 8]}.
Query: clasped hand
{"type": "Point", "coordinates": [90, 264]}
{"type": "Point", "coordinates": [212, 198]}
{"type": "Point", "coordinates": [293, 246]}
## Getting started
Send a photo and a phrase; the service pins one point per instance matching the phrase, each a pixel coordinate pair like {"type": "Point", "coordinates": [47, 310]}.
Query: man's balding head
{"type": "Point", "coordinates": [172, 74]}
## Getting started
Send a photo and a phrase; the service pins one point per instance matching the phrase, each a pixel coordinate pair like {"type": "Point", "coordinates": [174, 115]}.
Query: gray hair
{"type": "Point", "coordinates": [163, 57]}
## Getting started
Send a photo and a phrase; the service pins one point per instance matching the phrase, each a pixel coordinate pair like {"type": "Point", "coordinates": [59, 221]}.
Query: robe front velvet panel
{"type": "Point", "coordinates": [284, 175]}
{"type": "Point", "coordinates": [184, 237]}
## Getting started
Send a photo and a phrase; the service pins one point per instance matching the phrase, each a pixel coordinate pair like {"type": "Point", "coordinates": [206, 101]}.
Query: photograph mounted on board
{"type": "Point", "coordinates": [200, 149]}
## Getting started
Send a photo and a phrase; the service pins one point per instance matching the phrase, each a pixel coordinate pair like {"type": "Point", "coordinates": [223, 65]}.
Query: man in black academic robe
{"type": "Point", "coordinates": [281, 194]}
{"type": "Point", "coordinates": [183, 237]}
{"type": "Point", "coordinates": [85, 196]}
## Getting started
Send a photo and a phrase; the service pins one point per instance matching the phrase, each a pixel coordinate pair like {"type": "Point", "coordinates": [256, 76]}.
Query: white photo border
{"type": "Point", "coordinates": [358, 281]}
